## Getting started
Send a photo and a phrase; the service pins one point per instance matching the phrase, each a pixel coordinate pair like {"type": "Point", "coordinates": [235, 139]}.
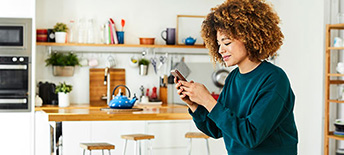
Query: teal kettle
{"type": "Point", "coordinates": [120, 101]}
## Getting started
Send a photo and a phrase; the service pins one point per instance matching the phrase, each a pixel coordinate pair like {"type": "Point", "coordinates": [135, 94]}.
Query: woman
{"type": "Point", "coordinates": [254, 113]}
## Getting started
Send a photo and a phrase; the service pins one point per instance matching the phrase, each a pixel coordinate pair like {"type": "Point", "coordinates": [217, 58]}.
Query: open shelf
{"type": "Point", "coordinates": [335, 75]}
{"type": "Point", "coordinates": [336, 48]}
{"type": "Point", "coordinates": [118, 45]}
{"type": "Point", "coordinates": [336, 81]}
{"type": "Point", "coordinates": [336, 101]}
{"type": "Point", "coordinates": [331, 135]}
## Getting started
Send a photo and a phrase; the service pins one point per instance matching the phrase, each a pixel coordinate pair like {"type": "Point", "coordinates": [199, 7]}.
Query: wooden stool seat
{"type": "Point", "coordinates": [97, 146]}
{"type": "Point", "coordinates": [196, 135]}
{"type": "Point", "coordinates": [137, 137]}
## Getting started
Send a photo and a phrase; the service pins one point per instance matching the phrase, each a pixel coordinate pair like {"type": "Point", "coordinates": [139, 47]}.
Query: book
{"type": "Point", "coordinates": [114, 30]}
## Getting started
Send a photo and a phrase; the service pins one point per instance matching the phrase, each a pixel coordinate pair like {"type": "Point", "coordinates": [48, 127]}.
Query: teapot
{"type": "Point", "coordinates": [120, 101]}
{"type": "Point", "coordinates": [189, 41]}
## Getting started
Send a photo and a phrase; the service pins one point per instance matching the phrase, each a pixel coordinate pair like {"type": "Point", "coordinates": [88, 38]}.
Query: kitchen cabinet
{"type": "Point", "coordinates": [169, 136]}
{"type": "Point", "coordinates": [330, 80]}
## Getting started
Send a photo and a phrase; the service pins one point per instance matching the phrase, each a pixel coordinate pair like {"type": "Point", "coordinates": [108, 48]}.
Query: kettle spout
{"type": "Point", "coordinates": [132, 101]}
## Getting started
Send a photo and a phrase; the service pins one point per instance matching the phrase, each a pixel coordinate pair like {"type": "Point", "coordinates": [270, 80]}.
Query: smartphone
{"type": "Point", "coordinates": [176, 73]}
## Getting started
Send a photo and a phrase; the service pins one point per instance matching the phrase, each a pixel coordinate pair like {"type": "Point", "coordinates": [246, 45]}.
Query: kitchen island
{"type": "Point", "coordinates": [84, 123]}
{"type": "Point", "coordinates": [94, 113]}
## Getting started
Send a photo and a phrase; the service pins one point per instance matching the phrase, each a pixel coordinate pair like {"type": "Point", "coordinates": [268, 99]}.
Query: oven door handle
{"type": "Point", "coordinates": [12, 101]}
{"type": "Point", "coordinates": [13, 67]}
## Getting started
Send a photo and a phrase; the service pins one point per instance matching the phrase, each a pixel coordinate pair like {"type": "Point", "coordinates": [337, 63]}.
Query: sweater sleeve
{"type": "Point", "coordinates": [204, 123]}
{"type": "Point", "coordinates": [269, 111]}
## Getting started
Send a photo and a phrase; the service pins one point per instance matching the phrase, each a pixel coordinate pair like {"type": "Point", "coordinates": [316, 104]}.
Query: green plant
{"type": "Point", "coordinates": [63, 88]}
{"type": "Point", "coordinates": [60, 59]}
{"type": "Point", "coordinates": [60, 27]}
{"type": "Point", "coordinates": [143, 61]}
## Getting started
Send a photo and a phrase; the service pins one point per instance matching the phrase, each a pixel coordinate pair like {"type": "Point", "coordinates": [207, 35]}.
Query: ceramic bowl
{"type": "Point", "coordinates": [147, 41]}
{"type": "Point", "coordinates": [339, 124]}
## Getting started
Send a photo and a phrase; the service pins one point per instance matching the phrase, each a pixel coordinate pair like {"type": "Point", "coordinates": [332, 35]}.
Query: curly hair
{"type": "Point", "coordinates": [253, 22]}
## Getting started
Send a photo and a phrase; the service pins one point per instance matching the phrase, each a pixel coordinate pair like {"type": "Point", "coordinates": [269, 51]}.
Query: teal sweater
{"type": "Point", "coordinates": [254, 113]}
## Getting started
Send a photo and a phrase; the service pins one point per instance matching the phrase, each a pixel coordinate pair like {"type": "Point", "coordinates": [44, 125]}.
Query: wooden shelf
{"type": "Point", "coordinates": [336, 81]}
{"type": "Point", "coordinates": [336, 26]}
{"type": "Point", "coordinates": [331, 135]}
{"type": "Point", "coordinates": [335, 74]}
{"type": "Point", "coordinates": [336, 101]}
{"type": "Point", "coordinates": [118, 45]}
{"type": "Point", "coordinates": [335, 48]}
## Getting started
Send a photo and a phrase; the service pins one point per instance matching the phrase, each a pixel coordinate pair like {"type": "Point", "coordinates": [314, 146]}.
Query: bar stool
{"type": "Point", "coordinates": [197, 135]}
{"type": "Point", "coordinates": [97, 146]}
{"type": "Point", "coordinates": [137, 138]}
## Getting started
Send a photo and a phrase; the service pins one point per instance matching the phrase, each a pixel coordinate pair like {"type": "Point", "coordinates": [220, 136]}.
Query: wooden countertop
{"type": "Point", "coordinates": [94, 113]}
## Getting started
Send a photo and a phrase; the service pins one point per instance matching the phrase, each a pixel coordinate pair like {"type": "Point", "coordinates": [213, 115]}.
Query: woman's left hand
{"type": "Point", "coordinates": [198, 93]}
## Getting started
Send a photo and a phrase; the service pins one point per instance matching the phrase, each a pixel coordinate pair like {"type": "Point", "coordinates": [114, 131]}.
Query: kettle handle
{"type": "Point", "coordinates": [113, 92]}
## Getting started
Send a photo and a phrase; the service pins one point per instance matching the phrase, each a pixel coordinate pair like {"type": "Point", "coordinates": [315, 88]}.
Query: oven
{"type": "Point", "coordinates": [14, 83]}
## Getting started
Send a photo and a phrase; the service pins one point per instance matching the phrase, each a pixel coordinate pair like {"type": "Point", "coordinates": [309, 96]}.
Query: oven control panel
{"type": "Point", "coordinates": [13, 59]}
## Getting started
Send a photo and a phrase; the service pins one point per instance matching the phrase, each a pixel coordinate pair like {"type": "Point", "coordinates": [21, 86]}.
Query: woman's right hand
{"type": "Point", "coordinates": [192, 105]}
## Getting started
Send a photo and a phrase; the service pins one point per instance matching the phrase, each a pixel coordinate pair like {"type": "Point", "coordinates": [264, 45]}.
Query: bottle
{"type": "Point", "coordinates": [90, 31]}
{"type": "Point", "coordinates": [154, 95]}
{"type": "Point", "coordinates": [71, 33]}
{"type": "Point", "coordinates": [81, 31]}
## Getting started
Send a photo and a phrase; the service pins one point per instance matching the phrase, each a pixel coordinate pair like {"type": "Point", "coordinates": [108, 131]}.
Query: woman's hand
{"type": "Point", "coordinates": [192, 105]}
{"type": "Point", "coordinates": [197, 93]}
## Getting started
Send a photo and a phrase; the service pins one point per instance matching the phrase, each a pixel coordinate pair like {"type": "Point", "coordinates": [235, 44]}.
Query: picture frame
{"type": "Point", "coordinates": [189, 26]}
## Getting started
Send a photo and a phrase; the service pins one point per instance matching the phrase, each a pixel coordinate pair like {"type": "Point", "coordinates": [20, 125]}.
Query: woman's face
{"type": "Point", "coordinates": [233, 52]}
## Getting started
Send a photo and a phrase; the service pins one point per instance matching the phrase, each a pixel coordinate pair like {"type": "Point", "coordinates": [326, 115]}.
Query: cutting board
{"type": "Point", "coordinates": [97, 87]}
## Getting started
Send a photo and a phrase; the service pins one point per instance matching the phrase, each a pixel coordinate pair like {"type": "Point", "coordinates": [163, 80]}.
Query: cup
{"type": "Point", "coordinates": [144, 99]}
{"type": "Point", "coordinates": [93, 62]}
{"type": "Point", "coordinates": [170, 36]}
{"type": "Point", "coordinates": [338, 42]}
{"type": "Point", "coordinates": [120, 37]}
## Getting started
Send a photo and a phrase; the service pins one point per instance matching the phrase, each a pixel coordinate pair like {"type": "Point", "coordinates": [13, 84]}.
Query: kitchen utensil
{"type": "Point", "coordinates": [183, 68]}
{"type": "Point", "coordinates": [120, 101]}
{"type": "Point", "coordinates": [154, 61]}
{"type": "Point", "coordinates": [219, 77]}
{"type": "Point", "coordinates": [170, 78]}
{"type": "Point", "coordinates": [122, 23]}
{"type": "Point", "coordinates": [162, 61]}
{"type": "Point", "coordinates": [111, 61]}
{"type": "Point", "coordinates": [147, 41]}
{"type": "Point", "coordinates": [170, 36]}
{"type": "Point", "coordinates": [189, 41]}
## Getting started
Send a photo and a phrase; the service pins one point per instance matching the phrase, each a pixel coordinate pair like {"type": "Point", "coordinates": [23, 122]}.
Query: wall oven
{"type": "Point", "coordinates": [14, 83]}
{"type": "Point", "coordinates": [15, 64]}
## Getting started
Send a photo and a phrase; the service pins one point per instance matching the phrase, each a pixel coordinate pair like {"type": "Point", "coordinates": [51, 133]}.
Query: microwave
{"type": "Point", "coordinates": [15, 36]}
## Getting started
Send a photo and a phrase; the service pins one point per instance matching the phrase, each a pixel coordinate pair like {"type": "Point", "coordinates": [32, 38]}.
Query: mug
{"type": "Point", "coordinates": [170, 36]}
{"type": "Point", "coordinates": [93, 62]}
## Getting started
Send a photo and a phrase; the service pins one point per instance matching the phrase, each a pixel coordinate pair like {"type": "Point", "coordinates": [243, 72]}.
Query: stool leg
{"type": "Point", "coordinates": [102, 152]}
{"type": "Point", "coordinates": [208, 150]}
{"type": "Point", "coordinates": [109, 152]}
{"type": "Point", "coordinates": [83, 152]}
{"type": "Point", "coordinates": [90, 152]}
{"type": "Point", "coordinates": [136, 145]}
{"type": "Point", "coordinates": [190, 146]}
{"type": "Point", "coordinates": [139, 147]}
{"type": "Point", "coordinates": [125, 146]}
{"type": "Point", "coordinates": [150, 147]}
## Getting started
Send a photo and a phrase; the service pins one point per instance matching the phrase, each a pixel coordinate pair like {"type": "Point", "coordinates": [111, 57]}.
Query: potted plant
{"type": "Point", "coordinates": [63, 91]}
{"type": "Point", "coordinates": [60, 30]}
{"type": "Point", "coordinates": [143, 64]}
{"type": "Point", "coordinates": [63, 64]}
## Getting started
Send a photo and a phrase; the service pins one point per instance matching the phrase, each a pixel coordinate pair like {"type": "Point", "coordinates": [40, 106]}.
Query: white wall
{"type": "Point", "coordinates": [301, 56]}
{"type": "Point", "coordinates": [17, 129]}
